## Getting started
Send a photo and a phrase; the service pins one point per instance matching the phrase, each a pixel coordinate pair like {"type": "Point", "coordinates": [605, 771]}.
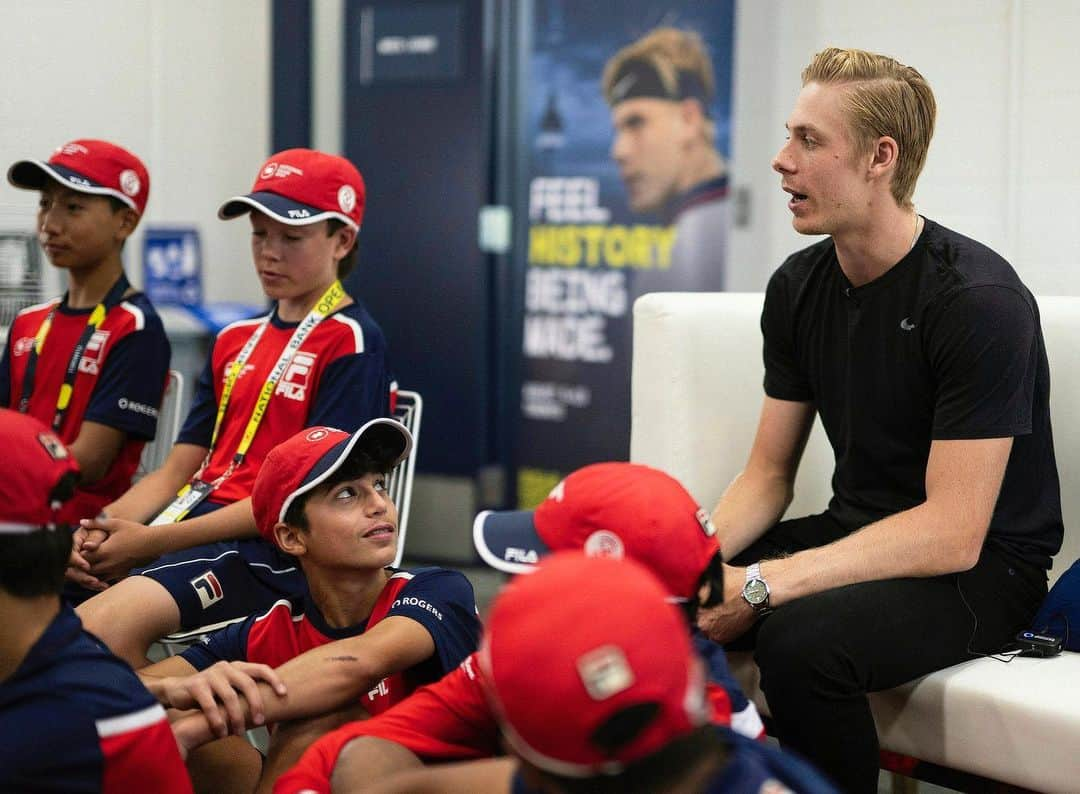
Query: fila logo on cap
{"type": "Point", "coordinates": [346, 198]}
{"type": "Point", "coordinates": [527, 556]}
{"type": "Point", "coordinates": [209, 589]}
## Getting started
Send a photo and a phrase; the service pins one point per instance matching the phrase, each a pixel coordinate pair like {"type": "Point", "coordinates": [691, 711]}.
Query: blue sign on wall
{"type": "Point", "coordinates": [172, 266]}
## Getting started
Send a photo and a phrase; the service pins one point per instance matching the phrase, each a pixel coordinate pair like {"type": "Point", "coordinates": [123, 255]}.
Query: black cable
{"type": "Point", "coordinates": [998, 656]}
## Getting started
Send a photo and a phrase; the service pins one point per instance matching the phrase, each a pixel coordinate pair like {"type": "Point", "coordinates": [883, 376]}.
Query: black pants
{"type": "Point", "coordinates": [820, 655]}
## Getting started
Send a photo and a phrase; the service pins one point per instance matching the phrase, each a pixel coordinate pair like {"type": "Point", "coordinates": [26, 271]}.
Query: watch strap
{"type": "Point", "coordinates": [753, 573]}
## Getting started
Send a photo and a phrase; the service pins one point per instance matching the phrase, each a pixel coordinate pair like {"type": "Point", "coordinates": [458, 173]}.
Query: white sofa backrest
{"type": "Point", "coordinates": [697, 389]}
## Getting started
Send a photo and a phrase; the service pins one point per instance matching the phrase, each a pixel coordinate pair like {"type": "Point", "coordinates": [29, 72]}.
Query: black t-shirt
{"type": "Point", "coordinates": [945, 345]}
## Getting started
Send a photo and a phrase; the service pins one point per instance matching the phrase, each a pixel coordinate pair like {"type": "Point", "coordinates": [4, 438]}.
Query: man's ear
{"type": "Point", "coordinates": [885, 158]}
{"type": "Point", "coordinates": [290, 539]}
{"type": "Point", "coordinates": [692, 115]}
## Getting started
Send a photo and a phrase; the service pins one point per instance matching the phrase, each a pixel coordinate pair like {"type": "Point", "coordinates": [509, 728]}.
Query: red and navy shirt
{"type": "Point", "coordinates": [440, 600]}
{"type": "Point", "coordinates": [75, 718]}
{"type": "Point", "coordinates": [120, 381]}
{"type": "Point", "coordinates": [451, 720]}
{"type": "Point", "coordinates": [339, 378]}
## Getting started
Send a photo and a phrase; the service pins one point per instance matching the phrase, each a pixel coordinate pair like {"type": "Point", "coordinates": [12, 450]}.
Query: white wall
{"type": "Point", "coordinates": [1001, 166]}
{"type": "Point", "coordinates": [184, 85]}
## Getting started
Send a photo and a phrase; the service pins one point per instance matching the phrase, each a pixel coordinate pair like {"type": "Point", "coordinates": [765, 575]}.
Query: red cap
{"type": "Point", "coordinates": [608, 510]}
{"type": "Point", "coordinates": [89, 166]}
{"type": "Point", "coordinates": [581, 641]}
{"type": "Point", "coordinates": [302, 186]}
{"type": "Point", "coordinates": [296, 466]}
{"type": "Point", "coordinates": [35, 462]}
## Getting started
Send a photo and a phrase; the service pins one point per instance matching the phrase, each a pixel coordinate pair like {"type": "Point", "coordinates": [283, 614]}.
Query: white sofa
{"type": "Point", "coordinates": [696, 392]}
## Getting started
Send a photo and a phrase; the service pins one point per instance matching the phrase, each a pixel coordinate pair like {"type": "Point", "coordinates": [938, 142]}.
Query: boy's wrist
{"type": "Point", "coordinates": [160, 540]}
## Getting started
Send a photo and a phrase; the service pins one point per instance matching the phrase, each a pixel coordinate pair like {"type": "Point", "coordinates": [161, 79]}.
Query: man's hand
{"type": "Point", "coordinates": [113, 546]}
{"type": "Point", "coordinates": [217, 692]}
{"type": "Point", "coordinates": [734, 616]}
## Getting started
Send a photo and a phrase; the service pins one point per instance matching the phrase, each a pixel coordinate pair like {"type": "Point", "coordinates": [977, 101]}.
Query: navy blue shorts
{"type": "Point", "coordinates": [221, 582]}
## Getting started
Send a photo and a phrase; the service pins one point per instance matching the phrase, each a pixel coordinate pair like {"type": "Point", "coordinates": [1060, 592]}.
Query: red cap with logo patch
{"type": "Point", "coordinates": [88, 166]}
{"type": "Point", "coordinates": [608, 510]}
{"type": "Point", "coordinates": [619, 681]}
{"type": "Point", "coordinates": [307, 459]}
{"type": "Point", "coordinates": [302, 186]}
{"type": "Point", "coordinates": [38, 474]}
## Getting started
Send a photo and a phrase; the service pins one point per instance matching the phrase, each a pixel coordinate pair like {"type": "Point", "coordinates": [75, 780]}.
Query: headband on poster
{"type": "Point", "coordinates": [639, 77]}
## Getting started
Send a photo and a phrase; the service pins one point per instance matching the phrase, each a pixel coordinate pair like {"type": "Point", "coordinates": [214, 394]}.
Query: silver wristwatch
{"type": "Point", "coordinates": [756, 592]}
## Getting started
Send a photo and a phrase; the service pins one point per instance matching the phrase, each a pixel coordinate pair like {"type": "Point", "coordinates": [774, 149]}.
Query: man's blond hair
{"type": "Point", "coordinates": [883, 97]}
{"type": "Point", "coordinates": [669, 51]}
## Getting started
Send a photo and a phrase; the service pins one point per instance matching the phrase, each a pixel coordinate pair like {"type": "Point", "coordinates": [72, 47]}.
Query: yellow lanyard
{"type": "Point", "coordinates": [197, 490]}
{"type": "Point", "coordinates": [114, 297]}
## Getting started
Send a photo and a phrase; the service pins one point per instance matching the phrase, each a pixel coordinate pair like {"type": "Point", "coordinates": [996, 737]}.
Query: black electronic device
{"type": "Point", "coordinates": [1041, 645]}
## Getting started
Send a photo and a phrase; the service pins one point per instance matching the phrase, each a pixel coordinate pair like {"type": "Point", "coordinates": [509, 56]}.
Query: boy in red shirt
{"type": "Point", "coordinates": [318, 358]}
{"type": "Point", "coordinates": [91, 364]}
{"type": "Point", "coordinates": [365, 636]}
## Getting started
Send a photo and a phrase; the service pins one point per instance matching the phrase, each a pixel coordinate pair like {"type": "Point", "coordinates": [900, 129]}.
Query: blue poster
{"type": "Point", "coordinates": [172, 266]}
{"type": "Point", "coordinates": [628, 143]}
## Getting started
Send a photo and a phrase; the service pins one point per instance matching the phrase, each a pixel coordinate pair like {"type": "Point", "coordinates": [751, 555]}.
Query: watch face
{"type": "Point", "coordinates": [755, 592]}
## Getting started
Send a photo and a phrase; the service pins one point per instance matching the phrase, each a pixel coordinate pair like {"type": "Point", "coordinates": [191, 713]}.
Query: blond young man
{"type": "Point", "coordinates": [921, 350]}
{"type": "Point", "coordinates": [659, 89]}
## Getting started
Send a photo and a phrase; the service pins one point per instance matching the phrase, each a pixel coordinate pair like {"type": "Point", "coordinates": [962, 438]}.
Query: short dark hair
{"type": "Point", "coordinates": [374, 457]}
{"type": "Point", "coordinates": [346, 264]}
{"type": "Point", "coordinates": [33, 564]}
{"type": "Point", "coordinates": [652, 773]}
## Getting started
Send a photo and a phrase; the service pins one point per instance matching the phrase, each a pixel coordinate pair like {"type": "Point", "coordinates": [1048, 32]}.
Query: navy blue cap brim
{"type": "Point", "coordinates": [34, 175]}
{"type": "Point", "coordinates": [279, 208]}
{"type": "Point", "coordinates": [508, 540]}
{"type": "Point", "coordinates": [388, 430]}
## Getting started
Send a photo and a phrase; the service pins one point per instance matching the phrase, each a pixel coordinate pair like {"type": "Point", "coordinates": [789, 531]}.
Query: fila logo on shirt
{"type": "Point", "coordinates": [382, 690]}
{"type": "Point", "coordinates": [91, 357]}
{"type": "Point", "coordinates": [294, 382]}
{"type": "Point", "coordinates": [209, 589]}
